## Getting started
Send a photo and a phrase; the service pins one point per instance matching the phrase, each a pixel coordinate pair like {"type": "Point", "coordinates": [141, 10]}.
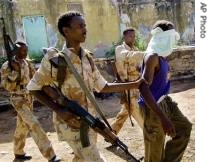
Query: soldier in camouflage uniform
{"type": "Point", "coordinates": [45, 83]}
{"type": "Point", "coordinates": [15, 82]}
{"type": "Point", "coordinates": [128, 59]}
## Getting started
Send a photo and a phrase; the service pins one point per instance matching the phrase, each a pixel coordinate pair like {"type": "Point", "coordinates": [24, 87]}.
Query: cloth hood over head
{"type": "Point", "coordinates": [162, 42]}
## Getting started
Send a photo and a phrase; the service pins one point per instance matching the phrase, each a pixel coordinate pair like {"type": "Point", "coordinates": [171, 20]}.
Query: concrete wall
{"type": "Point", "coordinates": [106, 19]}
{"type": "Point", "coordinates": [101, 19]}
{"type": "Point", "coordinates": [6, 12]}
{"type": "Point", "coordinates": [142, 14]}
{"type": "Point", "coordinates": [181, 61]}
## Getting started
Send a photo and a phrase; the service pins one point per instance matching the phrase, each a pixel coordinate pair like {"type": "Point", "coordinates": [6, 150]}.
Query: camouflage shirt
{"type": "Point", "coordinates": [127, 60]}
{"type": "Point", "coordinates": [15, 82]}
{"type": "Point", "coordinates": [47, 75]}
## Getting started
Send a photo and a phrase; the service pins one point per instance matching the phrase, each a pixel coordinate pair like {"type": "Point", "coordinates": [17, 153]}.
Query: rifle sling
{"type": "Point", "coordinates": [61, 74]}
{"type": "Point", "coordinates": [129, 108]}
{"type": "Point", "coordinates": [126, 96]}
{"type": "Point", "coordinates": [72, 69]}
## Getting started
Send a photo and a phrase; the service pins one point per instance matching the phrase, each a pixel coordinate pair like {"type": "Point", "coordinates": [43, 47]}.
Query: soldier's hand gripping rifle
{"type": "Point", "coordinates": [95, 123]}
{"type": "Point", "coordinates": [9, 46]}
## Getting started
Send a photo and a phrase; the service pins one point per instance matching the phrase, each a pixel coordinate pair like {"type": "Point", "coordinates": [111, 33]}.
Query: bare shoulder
{"type": "Point", "coordinates": [151, 59]}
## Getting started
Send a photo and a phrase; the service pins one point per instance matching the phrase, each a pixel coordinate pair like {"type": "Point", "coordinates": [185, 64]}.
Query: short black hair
{"type": "Point", "coordinates": [164, 25]}
{"type": "Point", "coordinates": [65, 20]}
{"type": "Point", "coordinates": [128, 30]}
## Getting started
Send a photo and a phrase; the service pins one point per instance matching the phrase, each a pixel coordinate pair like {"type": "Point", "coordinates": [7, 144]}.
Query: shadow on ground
{"type": "Point", "coordinates": [44, 114]}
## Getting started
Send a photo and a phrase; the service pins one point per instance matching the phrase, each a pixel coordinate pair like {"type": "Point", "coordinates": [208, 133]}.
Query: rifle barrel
{"type": "Point", "coordinates": [8, 44]}
{"type": "Point", "coordinates": [125, 149]}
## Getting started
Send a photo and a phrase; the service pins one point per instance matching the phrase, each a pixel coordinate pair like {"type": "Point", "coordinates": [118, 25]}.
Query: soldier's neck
{"type": "Point", "coordinates": [75, 46]}
{"type": "Point", "coordinates": [130, 45]}
{"type": "Point", "coordinates": [18, 59]}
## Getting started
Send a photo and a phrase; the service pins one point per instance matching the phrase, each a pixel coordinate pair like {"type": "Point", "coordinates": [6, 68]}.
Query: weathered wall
{"type": "Point", "coordinates": [106, 19]}
{"type": "Point", "coordinates": [181, 61]}
{"type": "Point", "coordinates": [142, 14]}
{"type": "Point", "coordinates": [100, 15]}
{"type": "Point", "coordinates": [6, 12]}
{"type": "Point", "coordinates": [34, 8]}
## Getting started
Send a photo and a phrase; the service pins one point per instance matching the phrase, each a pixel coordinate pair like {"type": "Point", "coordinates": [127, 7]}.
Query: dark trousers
{"type": "Point", "coordinates": [154, 137]}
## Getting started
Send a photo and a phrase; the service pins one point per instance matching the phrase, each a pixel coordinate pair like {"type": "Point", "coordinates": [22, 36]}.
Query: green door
{"type": "Point", "coordinates": [36, 35]}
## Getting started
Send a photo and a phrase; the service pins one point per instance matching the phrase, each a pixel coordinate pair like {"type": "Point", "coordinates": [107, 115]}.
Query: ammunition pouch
{"type": "Point", "coordinates": [84, 128]}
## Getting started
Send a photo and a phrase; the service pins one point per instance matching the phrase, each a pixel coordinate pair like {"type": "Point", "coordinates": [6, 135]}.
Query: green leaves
{"type": "Point", "coordinates": [140, 43]}
{"type": "Point", "coordinates": [2, 60]}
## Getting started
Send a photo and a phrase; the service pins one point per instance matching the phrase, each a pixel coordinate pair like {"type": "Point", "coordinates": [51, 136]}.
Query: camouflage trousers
{"type": "Point", "coordinates": [124, 114]}
{"type": "Point", "coordinates": [154, 137]}
{"type": "Point", "coordinates": [72, 137]}
{"type": "Point", "coordinates": [28, 124]}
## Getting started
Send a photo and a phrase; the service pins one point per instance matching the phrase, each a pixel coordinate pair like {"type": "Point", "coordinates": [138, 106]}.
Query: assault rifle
{"type": "Point", "coordinates": [96, 124]}
{"type": "Point", "coordinates": [9, 46]}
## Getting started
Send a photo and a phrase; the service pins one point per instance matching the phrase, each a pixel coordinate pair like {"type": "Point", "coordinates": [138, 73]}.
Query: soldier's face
{"type": "Point", "coordinates": [77, 30]}
{"type": "Point", "coordinates": [130, 38]}
{"type": "Point", "coordinates": [22, 52]}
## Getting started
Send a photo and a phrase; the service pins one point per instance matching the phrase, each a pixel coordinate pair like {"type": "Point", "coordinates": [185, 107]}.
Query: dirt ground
{"type": "Point", "coordinates": [183, 92]}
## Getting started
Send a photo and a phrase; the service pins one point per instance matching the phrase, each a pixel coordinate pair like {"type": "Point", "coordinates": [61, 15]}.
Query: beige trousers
{"type": "Point", "coordinates": [72, 137]}
{"type": "Point", "coordinates": [124, 114]}
{"type": "Point", "coordinates": [27, 123]}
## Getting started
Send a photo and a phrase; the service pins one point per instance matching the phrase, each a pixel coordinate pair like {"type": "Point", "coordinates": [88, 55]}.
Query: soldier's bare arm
{"type": "Point", "coordinates": [119, 87]}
